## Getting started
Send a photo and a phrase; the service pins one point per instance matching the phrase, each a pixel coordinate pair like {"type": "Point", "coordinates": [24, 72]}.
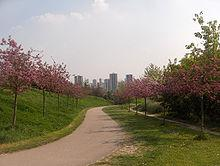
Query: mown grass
{"type": "Point", "coordinates": [32, 128]}
{"type": "Point", "coordinates": [162, 145]}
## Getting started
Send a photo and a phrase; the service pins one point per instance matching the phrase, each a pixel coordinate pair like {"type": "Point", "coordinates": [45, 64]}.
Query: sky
{"type": "Point", "coordinates": [97, 37]}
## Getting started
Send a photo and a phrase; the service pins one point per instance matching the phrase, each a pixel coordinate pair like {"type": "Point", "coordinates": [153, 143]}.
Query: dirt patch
{"type": "Point", "coordinates": [127, 150]}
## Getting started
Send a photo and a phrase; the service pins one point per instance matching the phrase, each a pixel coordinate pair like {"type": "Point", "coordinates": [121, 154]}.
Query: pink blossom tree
{"type": "Point", "coordinates": [130, 92]}
{"type": "Point", "coordinates": [68, 91]}
{"type": "Point", "coordinates": [42, 80]}
{"type": "Point", "coordinates": [134, 90]}
{"type": "Point", "coordinates": [58, 79]}
{"type": "Point", "coordinates": [199, 80]}
{"type": "Point", "coordinates": [18, 69]}
{"type": "Point", "coordinates": [123, 95]}
{"type": "Point", "coordinates": [147, 88]}
{"type": "Point", "coordinates": [77, 92]}
{"type": "Point", "coordinates": [1, 77]}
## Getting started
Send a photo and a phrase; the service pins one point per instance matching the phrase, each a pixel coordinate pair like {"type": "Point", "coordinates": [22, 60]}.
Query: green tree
{"type": "Point", "coordinates": [154, 72]}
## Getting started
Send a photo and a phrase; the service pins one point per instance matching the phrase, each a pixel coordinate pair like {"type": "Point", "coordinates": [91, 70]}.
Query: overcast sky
{"type": "Point", "coordinates": [96, 37]}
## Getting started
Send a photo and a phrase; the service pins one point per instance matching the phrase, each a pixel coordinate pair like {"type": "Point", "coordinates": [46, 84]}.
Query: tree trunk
{"type": "Point", "coordinates": [136, 105]}
{"type": "Point", "coordinates": [15, 110]}
{"type": "Point", "coordinates": [68, 101]}
{"type": "Point", "coordinates": [58, 101]}
{"type": "Point", "coordinates": [202, 114]}
{"type": "Point", "coordinates": [74, 101]}
{"type": "Point", "coordinates": [136, 102]}
{"type": "Point", "coordinates": [129, 106]}
{"type": "Point", "coordinates": [164, 116]}
{"type": "Point", "coordinates": [77, 101]}
{"type": "Point", "coordinates": [43, 102]}
{"type": "Point", "coordinates": [145, 106]}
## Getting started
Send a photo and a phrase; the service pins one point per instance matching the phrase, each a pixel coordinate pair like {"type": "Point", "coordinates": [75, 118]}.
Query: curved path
{"type": "Point", "coordinates": [95, 138]}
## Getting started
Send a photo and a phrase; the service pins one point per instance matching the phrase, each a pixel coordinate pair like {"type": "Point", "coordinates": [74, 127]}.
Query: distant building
{"type": "Point", "coordinates": [94, 83]}
{"type": "Point", "coordinates": [100, 81]}
{"type": "Point", "coordinates": [78, 80]}
{"type": "Point", "coordinates": [106, 84]}
{"type": "Point", "coordinates": [101, 84]}
{"type": "Point", "coordinates": [129, 78]}
{"type": "Point", "coordinates": [86, 83]}
{"type": "Point", "coordinates": [113, 81]}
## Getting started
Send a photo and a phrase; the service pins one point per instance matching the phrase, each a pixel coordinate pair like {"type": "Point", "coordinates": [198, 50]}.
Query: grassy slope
{"type": "Point", "coordinates": [30, 122]}
{"type": "Point", "coordinates": [163, 145]}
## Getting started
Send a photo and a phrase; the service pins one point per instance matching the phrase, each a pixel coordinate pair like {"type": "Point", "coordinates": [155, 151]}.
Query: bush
{"type": "Point", "coordinates": [188, 108]}
{"type": "Point", "coordinates": [152, 107]}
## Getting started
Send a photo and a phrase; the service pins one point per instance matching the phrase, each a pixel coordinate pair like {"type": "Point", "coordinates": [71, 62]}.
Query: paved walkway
{"type": "Point", "coordinates": [95, 138]}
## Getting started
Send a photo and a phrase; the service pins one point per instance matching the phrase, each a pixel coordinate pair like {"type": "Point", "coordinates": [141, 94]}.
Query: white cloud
{"type": "Point", "coordinates": [16, 28]}
{"type": "Point", "coordinates": [58, 18]}
{"type": "Point", "coordinates": [100, 5]}
{"type": "Point", "coordinates": [77, 15]}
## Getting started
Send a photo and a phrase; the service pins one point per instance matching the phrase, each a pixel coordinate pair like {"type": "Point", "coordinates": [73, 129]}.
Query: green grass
{"type": "Point", "coordinates": [162, 145]}
{"type": "Point", "coordinates": [32, 128]}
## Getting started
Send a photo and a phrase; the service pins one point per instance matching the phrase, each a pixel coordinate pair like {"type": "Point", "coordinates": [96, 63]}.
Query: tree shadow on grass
{"type": "Point", "coordinates": [149, 131]}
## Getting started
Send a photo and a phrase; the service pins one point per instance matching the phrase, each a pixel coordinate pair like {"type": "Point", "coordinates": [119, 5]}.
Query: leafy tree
{"type": "Point", "coordinates": [154, 72]}
{"type": "Point", "coordinates": [97, 91]}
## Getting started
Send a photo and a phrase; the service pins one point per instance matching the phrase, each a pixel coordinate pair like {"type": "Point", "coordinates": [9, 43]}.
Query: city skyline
{"type": "Point", "coordinates": [97, 79]}
{"type": "Point", "coordinates": [109, 84]}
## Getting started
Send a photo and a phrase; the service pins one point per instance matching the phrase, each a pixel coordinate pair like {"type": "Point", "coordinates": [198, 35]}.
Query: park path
{"type": "Point", "coordinates": [95, 138]}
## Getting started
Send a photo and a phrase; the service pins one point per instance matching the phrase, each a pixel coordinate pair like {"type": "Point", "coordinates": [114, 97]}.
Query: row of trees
{"type": "Point", "coordinates": [195, 78]}
{"type": "Point", "coordinates": [20, 70]}
{"type": "Point", "coordinates": [136, 89]}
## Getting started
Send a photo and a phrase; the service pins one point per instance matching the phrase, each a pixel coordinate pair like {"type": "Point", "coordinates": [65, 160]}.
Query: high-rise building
{"type": "Point", "coordinates": [101, 84]}
{"type": "Point", "coordinates": [113, 82]}
{"type": "Point", "coordinates": [94, 83]}
{"type": "Point", "coordinates": [107, 84]}
{"type": "Point", "coordinates": [78, 80]}
{"type": "Point", "coordinates": [128, 78]}
{"type": "Point", "coordinates": [100, 81]}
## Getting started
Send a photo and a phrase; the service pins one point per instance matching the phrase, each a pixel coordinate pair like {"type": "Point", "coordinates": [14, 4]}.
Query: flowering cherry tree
{"type": "Point", "coordinates": [43, 76]}
{"type": "Point", "coordinates": [198, 80]}
{"type": "Point", "coordinates": [58, 78]}
{"type": "Point", "coordinates": [17, 69]}
{"type": "Point", "coordinates": [77, 92]}
{"type": "Point", "coordinates": [68, 91]}
{"type": "Point", "coordinates": [134, 90]}
{"type": "Point", "coordinates": [1, 77]}
{"type": "Point", "coordinates": [146, 87]}
{"type": "Point", "coordinates": [198, 74]}
{"type": "Point", "coordinates": [123, 94]}
{"type": "Point", "coordinates": [128, 93]}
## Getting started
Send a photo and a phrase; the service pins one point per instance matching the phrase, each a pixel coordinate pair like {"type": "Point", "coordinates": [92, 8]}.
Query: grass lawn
{"type": "Point", "coordinates": [157, 145]}
{"type": "Point", "coordinates": [30, 121]}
